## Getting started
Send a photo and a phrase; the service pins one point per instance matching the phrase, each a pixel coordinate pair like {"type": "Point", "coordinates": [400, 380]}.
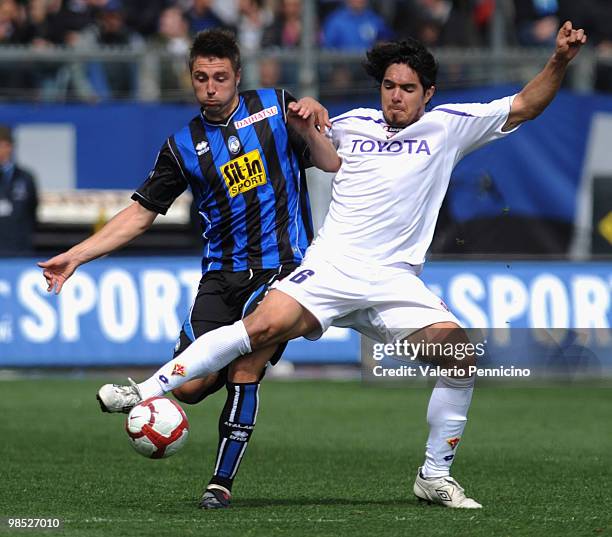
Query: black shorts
{"type": "Point", "coordinates": [226, 297]}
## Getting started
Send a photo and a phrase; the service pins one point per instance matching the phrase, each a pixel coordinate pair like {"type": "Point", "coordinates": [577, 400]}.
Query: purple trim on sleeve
{"type": "Point", "coordinates": [365, 118]}
{"type": "Point", "coordinates": [454, 112]}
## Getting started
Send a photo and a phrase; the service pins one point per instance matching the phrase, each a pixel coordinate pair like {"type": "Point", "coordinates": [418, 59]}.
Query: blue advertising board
{"type": "Point", "coordinates": [129, 311]}
{"type": "Point", "coordinates": [115, 311]}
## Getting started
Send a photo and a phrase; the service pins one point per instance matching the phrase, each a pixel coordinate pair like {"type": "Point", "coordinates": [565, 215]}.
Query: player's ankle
{"type": "Point", "coordinates": [424, 474]}
{"type": "Point", "coordinates": [220, 483]}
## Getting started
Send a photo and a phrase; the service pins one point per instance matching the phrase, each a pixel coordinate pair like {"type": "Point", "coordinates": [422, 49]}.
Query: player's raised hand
{"type": "Point", "coordinates": [304, 126]}
{"type": "Point", "coordinates": [307, 107]}
{"type": "Point", "coordinates": [57, 270]}
{"type": "Point", "coordinates": [569, 42]}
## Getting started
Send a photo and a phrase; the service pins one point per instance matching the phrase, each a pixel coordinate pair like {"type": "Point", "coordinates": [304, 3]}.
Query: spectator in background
{"type": "Point", "coordinates": [12, 23]}
{"type": "Point", "coordinates": [143, 15]}
{"type": "Point", "coordinates": [354, 27]}
{"type": "Point", "coordinates": [174, 38]}
{"type": "Point", "coordinates": [12, 77]}
{"type": "Point", "coordinates": [598, 15]}
{"type": "Point", "coordinates": [18, 201]}
{"type": "Point", "coordinates": [36, 26]}
{"type": "Point", "coordinates": [326, 7]}
{"type": "Point", "coordinates": [437, 22]}
{"type": "Point", "coordinates": [253, 18]}
{"type": "Point", "coordinates": [66, 19]}
{"type": "Point", "coordinates": [174, 32]}
{"type": "Point", "coordinates": [537, 22]}
{"type": "Point", "coordinates": [111, 27]}
{"type": "Point", "coordinates": [269, 73]}
{"type": "Point", "coordinates": [482, 15]}
{"type": "Point", "coordinates": [286, 29]}
{"type": "Point", "coordinates": [112, 79]}
{"type": "Point", "coordinates": [202, 16]}
{"type": "Point", "coordinates": [227, 11]}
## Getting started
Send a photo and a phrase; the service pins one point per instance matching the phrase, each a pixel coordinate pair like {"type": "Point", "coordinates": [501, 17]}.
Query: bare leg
{"type": "Point", "coordinates": [196, 390]}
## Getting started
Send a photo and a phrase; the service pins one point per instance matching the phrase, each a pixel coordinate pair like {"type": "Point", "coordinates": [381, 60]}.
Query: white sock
{"type": "Point", "coordinates": [208, 353]}
{"type": "Point", "coordinates": [446, 416]}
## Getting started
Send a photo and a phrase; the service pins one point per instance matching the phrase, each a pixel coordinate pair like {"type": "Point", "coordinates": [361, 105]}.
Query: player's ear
{"type": "Point", "coordinates": [429, 93]}
{"type": "Point", "coordinates": [238, 76]}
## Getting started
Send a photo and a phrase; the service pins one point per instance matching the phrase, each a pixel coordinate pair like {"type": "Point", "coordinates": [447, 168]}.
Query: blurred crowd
{"type": "Point", "coordinates": [348, 25]}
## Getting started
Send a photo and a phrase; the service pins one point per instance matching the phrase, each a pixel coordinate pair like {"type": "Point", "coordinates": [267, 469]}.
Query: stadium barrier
{"type": "Point", "coordinates": [129, 311]}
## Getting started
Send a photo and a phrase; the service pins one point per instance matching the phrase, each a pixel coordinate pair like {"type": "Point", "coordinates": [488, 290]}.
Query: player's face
{"type": "Point", "coordinates": [403, 96]}
{"type": "Point", "coordinates": [215, 85]}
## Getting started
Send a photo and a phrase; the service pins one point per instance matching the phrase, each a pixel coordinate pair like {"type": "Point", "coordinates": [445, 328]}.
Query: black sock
{"type": "Point", "coordinates": [236, 425]}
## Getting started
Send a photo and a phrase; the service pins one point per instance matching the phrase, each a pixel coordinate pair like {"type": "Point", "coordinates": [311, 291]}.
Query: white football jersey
{"type": "Point", "coordinates": [388, 192]}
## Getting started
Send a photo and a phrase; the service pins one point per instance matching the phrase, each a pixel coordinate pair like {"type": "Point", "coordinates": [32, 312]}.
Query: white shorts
{"type": "Point", "coordinates": [385, 303]}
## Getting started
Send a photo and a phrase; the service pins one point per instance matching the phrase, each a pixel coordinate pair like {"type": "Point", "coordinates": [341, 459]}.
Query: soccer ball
{"type": "Point", "coordinates": [157, 427]}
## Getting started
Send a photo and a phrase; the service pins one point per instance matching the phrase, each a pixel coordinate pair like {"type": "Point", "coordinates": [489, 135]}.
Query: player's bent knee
{"type": "Point", "coordinates": [463, 357]}
{"type": "Point", "coordinates": [266, 329]}
{"type": "Point", "coordinates": [186, 397]}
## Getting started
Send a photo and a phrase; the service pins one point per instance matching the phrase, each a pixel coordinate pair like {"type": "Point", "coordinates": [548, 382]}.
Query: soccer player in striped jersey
{"type": "Point", "coordinates": [362, 270]}
{"type": "Point", "coordinates": [245, 166]}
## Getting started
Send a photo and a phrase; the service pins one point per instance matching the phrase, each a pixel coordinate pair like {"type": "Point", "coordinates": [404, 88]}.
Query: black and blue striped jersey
{"type": "Point", "coordinates": [247, 177]}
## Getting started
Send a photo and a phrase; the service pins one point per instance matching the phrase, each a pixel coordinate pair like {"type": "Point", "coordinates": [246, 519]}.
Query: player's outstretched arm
{"type": "Point", "coordinates": [538, 93]}
{"type": "Point", "coordinates": [121, 229]}
{"type": "Point", "coordinates": [309, 119]}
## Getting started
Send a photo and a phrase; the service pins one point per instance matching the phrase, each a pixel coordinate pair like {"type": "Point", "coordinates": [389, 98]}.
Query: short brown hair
{"type": "Point", "coordinates": [216, 42]}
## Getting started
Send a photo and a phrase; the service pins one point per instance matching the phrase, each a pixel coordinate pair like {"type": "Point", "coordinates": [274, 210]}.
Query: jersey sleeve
{"type": "Point", "coordinates": [471, 126]}
{"type": "Point", "coordinates": [165, 183]}
{"type": "Point", "coordinates": [299, 146]}
{"type": "Point", "coordinates": [285, 98]}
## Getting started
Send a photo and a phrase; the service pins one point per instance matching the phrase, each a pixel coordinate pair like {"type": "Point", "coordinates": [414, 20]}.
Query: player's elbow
{"type": "Point", "coordinates": [336, 166]}
{"type": "Point", "coordinates": [140, 217]}
{"type": "Point", "coordinates": [332, 165]}
{"type": "Point", "coordinates": [524, 109]}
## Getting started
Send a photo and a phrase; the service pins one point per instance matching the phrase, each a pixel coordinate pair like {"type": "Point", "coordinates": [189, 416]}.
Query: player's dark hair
{"type": "Point", "coordinates": [218, 43]}
{"type": "Point", "coordinates": [409, 51]}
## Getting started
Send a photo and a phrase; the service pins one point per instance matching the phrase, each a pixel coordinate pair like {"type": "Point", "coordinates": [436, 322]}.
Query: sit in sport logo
{"type": "Point", "coordinates": [244, 173]}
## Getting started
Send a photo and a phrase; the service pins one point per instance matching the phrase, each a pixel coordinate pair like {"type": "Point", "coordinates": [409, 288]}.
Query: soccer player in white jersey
{"type": "Point", "coordinates": [362, 270]}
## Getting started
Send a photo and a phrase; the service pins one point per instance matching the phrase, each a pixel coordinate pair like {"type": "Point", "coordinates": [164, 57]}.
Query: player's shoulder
{"type": "Point", "coordinates": [274, 101]}
{"type": "Point", "coordinates": [266, 93]}
{"type": "Point", "coordinates": [451, 111]}
{"type": "Point", "coordinates": [183, 137]}
{"type": "Point", "coordinates": [359, 115]}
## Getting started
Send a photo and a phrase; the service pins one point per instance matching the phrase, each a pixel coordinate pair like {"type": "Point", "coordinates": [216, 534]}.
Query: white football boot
{"type": "Point", "coordinates": [117, 398]}
{"type": "Point", "coordinates": [443, 491]}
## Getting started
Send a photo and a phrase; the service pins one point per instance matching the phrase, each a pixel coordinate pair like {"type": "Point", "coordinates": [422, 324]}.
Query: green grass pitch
{"type": "Point", "coordinates": [327, 458]}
